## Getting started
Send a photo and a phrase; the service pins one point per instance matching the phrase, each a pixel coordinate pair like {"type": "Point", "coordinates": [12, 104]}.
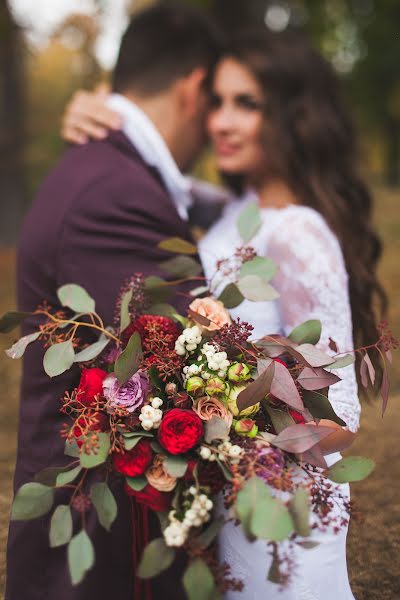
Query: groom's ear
{"type": "Point", "coordinates": [193, 95]}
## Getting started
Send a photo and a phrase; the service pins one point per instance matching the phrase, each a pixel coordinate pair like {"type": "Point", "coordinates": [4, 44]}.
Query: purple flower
{"type": "Point", "coordinates": [130, 395]}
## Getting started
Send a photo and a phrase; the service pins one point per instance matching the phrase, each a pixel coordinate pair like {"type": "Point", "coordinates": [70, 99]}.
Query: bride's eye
{"type": "Point", "coordinates": [248, 102]}
{"type": "Point", "coordinates": [215, 101]}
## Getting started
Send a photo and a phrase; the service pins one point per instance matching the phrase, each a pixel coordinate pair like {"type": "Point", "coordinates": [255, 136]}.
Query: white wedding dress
{"type": "Point", "coordinates": [313, 284]}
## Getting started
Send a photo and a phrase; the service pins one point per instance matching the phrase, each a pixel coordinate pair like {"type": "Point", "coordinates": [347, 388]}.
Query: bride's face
{"type": "Point", "coordinates": [236, 120]}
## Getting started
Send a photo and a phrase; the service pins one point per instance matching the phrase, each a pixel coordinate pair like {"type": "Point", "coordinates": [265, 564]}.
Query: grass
{"type": "Point", "coordinates": [374, 541]}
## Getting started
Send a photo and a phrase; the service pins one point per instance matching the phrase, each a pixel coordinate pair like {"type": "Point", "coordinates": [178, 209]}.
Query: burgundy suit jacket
{"type": "Point", "coordinates": [96, 220]}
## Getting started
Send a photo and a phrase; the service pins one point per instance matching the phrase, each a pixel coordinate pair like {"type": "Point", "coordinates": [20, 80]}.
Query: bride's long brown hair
{"type": "Point", "coordinates": [314, 150]}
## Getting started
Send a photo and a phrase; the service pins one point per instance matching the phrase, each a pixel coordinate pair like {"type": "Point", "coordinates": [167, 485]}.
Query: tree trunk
{"type": "Point", "coordinates": [13, 197]}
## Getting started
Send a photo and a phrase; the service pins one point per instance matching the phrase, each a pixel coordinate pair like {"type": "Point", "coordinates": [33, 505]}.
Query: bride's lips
{"type": "Point", "coordinates": [226, 149]}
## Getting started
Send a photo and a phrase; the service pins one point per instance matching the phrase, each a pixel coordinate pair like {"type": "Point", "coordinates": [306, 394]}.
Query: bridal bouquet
{"type": "Point", "coordinates": [192, 415]}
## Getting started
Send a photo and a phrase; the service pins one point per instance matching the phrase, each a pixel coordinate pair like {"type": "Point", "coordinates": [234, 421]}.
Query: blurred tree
{"type": "Point", "coordinates": [12, 181]}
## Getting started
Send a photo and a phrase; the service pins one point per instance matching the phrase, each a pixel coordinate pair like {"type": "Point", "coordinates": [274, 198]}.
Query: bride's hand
{"type": "Point", "coordinates": [87, 116]}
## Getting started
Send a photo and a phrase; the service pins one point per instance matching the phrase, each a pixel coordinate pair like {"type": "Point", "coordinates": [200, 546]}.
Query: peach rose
{"type": "Point", "coordinates": [208, 406]}
{"type": "Point", "coordinates": [158, 477]}
{"type": "Point", "coordinates": [213, 310]}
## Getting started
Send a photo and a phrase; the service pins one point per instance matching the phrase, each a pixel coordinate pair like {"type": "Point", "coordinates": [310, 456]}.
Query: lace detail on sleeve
{"type": "Point", "coordinates": [313, 284]}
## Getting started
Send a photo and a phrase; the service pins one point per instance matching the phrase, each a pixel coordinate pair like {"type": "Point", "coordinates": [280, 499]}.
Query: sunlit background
{"type": "Point", "coordinates": [49, 48]}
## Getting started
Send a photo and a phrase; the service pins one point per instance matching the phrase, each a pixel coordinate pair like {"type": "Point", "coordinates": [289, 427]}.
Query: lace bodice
{"type": "Point", "coordinates": [311, 279]}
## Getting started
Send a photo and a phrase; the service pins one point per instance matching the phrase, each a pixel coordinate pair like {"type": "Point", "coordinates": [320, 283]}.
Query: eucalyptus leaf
{"type": "Point", "coordinates": [281, 419]}
{"type": "Point", "coordinates": [314, 355]}
{"type": "Point", "coordinates": [17, 350]}
{"type": "Point", "coordinates": [350, 468]}
{"type": "Point", "coordinates": [202, 289]}
{"type": "Point", "coordinates": [136, 483]}
{"type": "Point", "coordinates": [88, 461]}
{"type": "Point", "coordinates": [320, 407]}
{"type": "Point", "coordinates": [59, 358]}
{"type": "Point", "coordinates": [259, 388]}
{"type": "Point", "coordinates": [71, 448]}
{"type": "Point", "coordinates": [76, 297]}
{"type": "Point", "coordinates": [260, 266]}
{"type": "Point", "coordinates": [32, 500]}
{"type": "Point", "coordinates": [316, 379]}
{"type": "Point", "coordinates": [299, 438]}
{"type": "Point", "coordinates": [163, 309]}
{"type": "Point", "coordinates": [12, 319]}
{"type": "Point", "coordinates": [299, 507]}
{"type": "Point", "coordinates": [198, 581]}
{"type": "Point", "coordinates": [231, 296]}
{"type": "Point", "coordinates": [181, 266]}
{"type": "Point", "coordinates": [61, 526]}
{"type": "Point", "coordinates": [129, 360]}
{"type": "Point", "coordinates": [175, 466]}
{"type": "Point", "coordinates": [157, 289]}
{"type": "Point", "coordinates": [215, 429]}
{"type": "Point", "coordinates": [343, 361]}
{"type": "Point", "coordinates": [249, 221]}
{"type": "Point", "coordinates": [178, 246]}
{"type": "Point", "coordinates": [131, 442]}
{"type": "Point", "coordinates": [157, 557]}
{"type": "Point", "coordinates": [48, 476]}
{"type": "Point", "coordinates": [81, 556]}
{"type": "Point", "coordinates": [92, 351]}
{"type": "Point", "coordinates": [124, 315]}
{"type": "Point", "coordinates": [255, 289]}
{"type": "Point", "coordinates": [308, 332]}
{"type": "Point", "coordinates": [66, 477]}
{"type": "Point", "coordinates": [284, 388]}
{"type": "Point", "coordinates": [204, 539]}
{"type": "Point", "coordinates": [104, 503]}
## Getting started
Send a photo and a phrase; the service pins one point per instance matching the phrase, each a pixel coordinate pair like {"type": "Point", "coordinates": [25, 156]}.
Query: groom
{"type": "Point", "coordinates": [98, 219]}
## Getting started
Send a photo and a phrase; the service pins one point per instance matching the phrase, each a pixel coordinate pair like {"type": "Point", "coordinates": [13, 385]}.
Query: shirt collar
{"type": "Point", "coordinates": [143, 134]}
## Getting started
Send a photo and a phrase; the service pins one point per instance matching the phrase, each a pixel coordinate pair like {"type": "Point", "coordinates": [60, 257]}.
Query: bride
{"type": "Point", "coordinates": [281, 138]}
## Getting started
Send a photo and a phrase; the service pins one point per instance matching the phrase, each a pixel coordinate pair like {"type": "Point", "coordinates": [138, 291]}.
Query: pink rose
{"type": "Point", "coordinates": [209, 406]}
{"type": "Point", "coordinates": [213, 310]}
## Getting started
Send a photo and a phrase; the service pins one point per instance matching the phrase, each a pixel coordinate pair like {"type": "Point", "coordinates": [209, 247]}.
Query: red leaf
{"type": "Point", "coordinates": [300, 438]}
{"type": "Point", "coordinates": [314, 355]}
{"type": "Point", "coordinates": [333, 345]}
{"type": "Point", "coordinates": [284, 388]}
{"type": "Point", "coordinates": [275, 345]}
{"type": "Point", "coordinates": [259, 388]}
{"type": "Point", "coordinates": [371, 370]}
{"type": "Point", "coordinates": [364, 372]}
{"type": "Point", "coordinates": [315, 457]}
{"type": "Point", "coordinates": [316, 379]}
{"type": "Point", "coordinates": [385, 390]}
{"type": "Point", "coordinates": [389, 356]}
{"type": "Point", "coordinates": [199, 318]}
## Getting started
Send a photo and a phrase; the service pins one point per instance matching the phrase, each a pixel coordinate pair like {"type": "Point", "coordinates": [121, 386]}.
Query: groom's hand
{"type": "Point", "coordinates": [87, 116]}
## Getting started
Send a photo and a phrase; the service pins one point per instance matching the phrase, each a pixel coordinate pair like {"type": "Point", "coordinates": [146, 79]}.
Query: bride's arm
{"type": "Point", "coordinates": [87, 116]}
{"type": "Point", "coordinates": [313, 284]}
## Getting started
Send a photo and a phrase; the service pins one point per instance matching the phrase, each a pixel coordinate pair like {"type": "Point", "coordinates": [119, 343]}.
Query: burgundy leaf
{"type": "Point", "coordinates": [385, 390]}
{"type": "Point", "coordinates": [314, 456]}
{"type": "Point", "coordinates": [389, 356]}
{"type": "Point", "coordinates": [275, 345]}
{"type": "Point", "coordinates": [316, 379]}
{"type": "Point", "coordinates": [364, 372]}
{"type": "Point", "coordinates": [314, 355]}
{"type": "Point", "coordinates": [371, 370]}
{"type": "Point", "coordinates": [333, 345]}
{"type": "Point", "coordinates": [300, 438]}
{"type": "Point", "coordinates": [284, 388]}
{"type": "Point", "coordinates": [199, 318]}
{"type": "Point", "coordinates": [260, 387]}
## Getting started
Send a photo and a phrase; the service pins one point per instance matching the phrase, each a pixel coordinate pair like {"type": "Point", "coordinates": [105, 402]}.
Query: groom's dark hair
{"type": "Point", "coordinates": [163, 43]}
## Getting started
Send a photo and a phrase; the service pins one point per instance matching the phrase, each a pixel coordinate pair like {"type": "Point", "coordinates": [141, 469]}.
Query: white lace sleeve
{"type": "Point", "coordinates": [313, 284]}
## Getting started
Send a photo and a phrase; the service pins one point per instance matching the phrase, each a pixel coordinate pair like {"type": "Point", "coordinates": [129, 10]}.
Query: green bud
{"type": "Point", "coordinates": [195, 386]}
{"type": "Point", "coordinates": [238, 372]}
{"type": "Point", "coordinates": [215, 386]}
{"type": "Point", "coordinates": [246, 427]}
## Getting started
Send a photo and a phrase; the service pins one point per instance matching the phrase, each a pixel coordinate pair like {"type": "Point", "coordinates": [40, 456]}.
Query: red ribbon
{"type": "Point", "coordinates": [140, 526]}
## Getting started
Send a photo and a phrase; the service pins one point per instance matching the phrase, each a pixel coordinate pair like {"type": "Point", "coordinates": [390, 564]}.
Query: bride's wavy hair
{"type": "Point", "coordinates": [313, 148]}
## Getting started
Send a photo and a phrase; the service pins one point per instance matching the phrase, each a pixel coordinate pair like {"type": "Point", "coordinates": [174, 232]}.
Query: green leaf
{"type": "Point", "coordinates": [104, 503]}
{"type": "Point", "coordinates": [129, 360]}
{"type": "Point", "coordinates": [249, 221]}
{"type": "Point", "coordinates": [178, 246]}
{"type": "Point", "coordinates": [343, 361]}
{"type": "Point", "coordinates": [308, 332]}
{"type": "Point", "coordinates": [255, 289]}
{"type": "Point", "coordinates": [157, 289]}
{"type": "Point", "coordinates": [350, 468]}
{"type": "Point", "coordinates": [125, 317]}
{"type": "Point", "coordinates": [88, 461]}
{"type": "Point", "coordinates": [61, 526]}
{"type": "Point", "coordinates": [131, 441]}
{"type": "Point", "coordinates": [260, 266]}
{"type": "Point", "coordinates": [163, 309]}
{"type": "Point", "coordinates": [320, 407]}
{"type": "Point", "coordinates": [231, 296]}
{"type": "Point", "coordinates": [198, 581]}
{"type": "Point", "coordinates": [59, 358]}
{"type": "Point", "coordinates": [181, 266]}
{"type": "Point", "coordinates": [136, 483]}
{"type": "Point", "coordinates": [157, 557]}
{"type": "Point", "coordinates": [175, 466]}
{"type": "Point", "coordinates": [225, 470]}
{"type": "Point", "coordinates": [280, 418]}
{"type": "Point", "coordinates": [216, 429]}
{"type": "Point", "coordinates": [66, 477]}
{"type": "Point", "coordinates": [92, 351]}
{"type": "Point", "coordinates": [71, 448]}
{"type": "Point", "coordinates": [76, 297]}
{"type": "Point", "coordinates": [299, 507]}
{"type": "Point", "coordinates": [17, 350]}
{"type": "Point", "coordinates": [12, 319]}
{"type": "Point", "coordinates": [49, 475]}
{"type": "Point", "coordinates": [204, 539]}
{"type": "Point", "coordinates": [81, 556]}
{"type": "Point", "coordinates": [31, 501]}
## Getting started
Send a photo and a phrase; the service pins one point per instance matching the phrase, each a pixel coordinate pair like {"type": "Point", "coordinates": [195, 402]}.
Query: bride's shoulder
{"type": "Point", "coordinates": [297, 221]}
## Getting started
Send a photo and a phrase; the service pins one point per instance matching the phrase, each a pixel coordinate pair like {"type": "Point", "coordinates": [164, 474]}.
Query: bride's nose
{"type": "Point", "coordinates": [221, 120]}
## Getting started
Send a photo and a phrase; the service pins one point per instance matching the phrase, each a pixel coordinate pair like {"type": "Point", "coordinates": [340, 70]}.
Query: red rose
{"type": "Point", "coordinates": [99, 422]}
{"type": "Point", "coordinates": [180, 430]}
{"type": "Point", "coordinates": [134, 462]}
{"type": "Point", "coordinates": [297, 416]}
{"type": "Point", "coordinates": [157, 501]}
{"type": "Point", "coordinates": [90, 385]}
